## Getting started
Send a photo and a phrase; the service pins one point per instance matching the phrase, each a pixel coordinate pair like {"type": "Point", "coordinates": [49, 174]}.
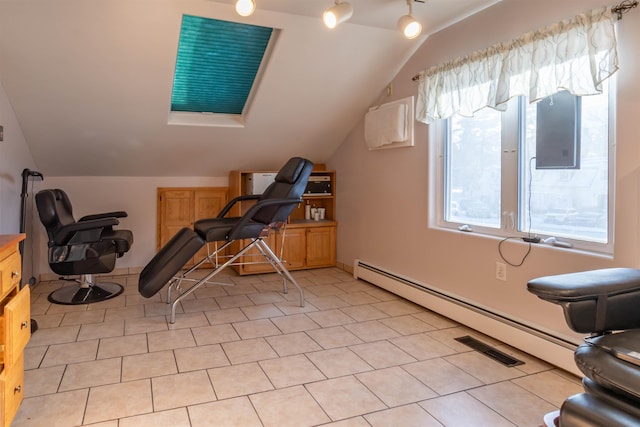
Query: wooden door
{"type": "Point", "coordinates": [175, 210]}
{"type": "Point", "coordinates": [207, 204]}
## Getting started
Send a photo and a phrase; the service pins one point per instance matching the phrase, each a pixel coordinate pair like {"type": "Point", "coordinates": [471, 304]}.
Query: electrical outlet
{"type": "Point", "coordinates": [501, 271]}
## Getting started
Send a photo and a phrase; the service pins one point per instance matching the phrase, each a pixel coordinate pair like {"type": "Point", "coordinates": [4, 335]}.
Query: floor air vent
{"type": "Point", "coordinates": [489, 351]}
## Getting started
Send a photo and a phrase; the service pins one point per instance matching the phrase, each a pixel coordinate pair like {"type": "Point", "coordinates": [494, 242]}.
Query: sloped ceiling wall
{"type": "Point", "coordinates": [90, 82]}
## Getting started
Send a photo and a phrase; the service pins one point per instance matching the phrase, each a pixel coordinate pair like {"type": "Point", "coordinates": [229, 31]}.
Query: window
{"type": "Point", "coordinates": [491, 180]}
{"type": "Point", "coordinates": [473, 157]}
{"type": "Point", "coordinates": [217, 66]}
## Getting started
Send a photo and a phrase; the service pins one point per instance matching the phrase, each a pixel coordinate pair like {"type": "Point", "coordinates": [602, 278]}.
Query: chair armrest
{"type": "Point", "coordinates": [235, 200]}
{"type": "Point", "coordinates": [253, 210]}
{"type": "Point", "coordinates": [83, 232]}
{"type": "Point", "coordinates": [117, 214]}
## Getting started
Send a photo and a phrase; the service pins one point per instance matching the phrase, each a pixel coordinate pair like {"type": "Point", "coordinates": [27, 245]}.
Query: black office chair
{"type": "Point", "coordinates": [84, 247]}
{"type": "Point", "coordinates": [270, 212]}
{"type": "Point", "coordinates": [605, 304]}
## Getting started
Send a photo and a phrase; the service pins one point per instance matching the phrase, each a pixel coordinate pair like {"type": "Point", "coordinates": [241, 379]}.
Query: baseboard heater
{"type": "Point", "coordinates": [545, 345]}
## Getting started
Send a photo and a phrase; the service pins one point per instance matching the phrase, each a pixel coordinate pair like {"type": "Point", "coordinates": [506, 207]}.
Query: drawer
{"type": "Point", "coordinates": [17, 326]}
{"type": "Point", "coordinates": [12, 379]}
{"type": "Point", "coordinates": [9, 272]}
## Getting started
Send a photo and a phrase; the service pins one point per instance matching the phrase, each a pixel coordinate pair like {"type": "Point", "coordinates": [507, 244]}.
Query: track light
{"type": "Point", "coordinates": [245, 7]}
{"type": "Point", "coordinates": [408, 25]}
{"type": "Point", "coordinates": [341, 12]}
{"type": "Point", "coordinates": [337, 14]}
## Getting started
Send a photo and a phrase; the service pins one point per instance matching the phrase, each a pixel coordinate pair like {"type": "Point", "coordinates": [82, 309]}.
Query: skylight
{"type": "Point", "coordinates": [217, 66]}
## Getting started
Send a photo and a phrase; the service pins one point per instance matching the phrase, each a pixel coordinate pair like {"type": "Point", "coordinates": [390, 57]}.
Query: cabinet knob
{"type": "Point", "coordinates": [15, 274]}
{"type": "Point", "coordinates": [24, 325]}
{"type": "Point", "coordinates": [17, 390]}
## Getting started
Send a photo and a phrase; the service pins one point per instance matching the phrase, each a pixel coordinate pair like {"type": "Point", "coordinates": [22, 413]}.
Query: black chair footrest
{"type": "Point", "coordinates": [166, 264]}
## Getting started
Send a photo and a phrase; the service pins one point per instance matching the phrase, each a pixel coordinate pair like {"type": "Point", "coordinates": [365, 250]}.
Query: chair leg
{"type": "Point", "coordinates": [211, 258]}
{"type": "Point", "coordinates": [85, 291]}
{"type": "Point", "coordinates": [205, 279]}
{"type": "Point", "coordinates": [262, 247]}
{"type": "Point", "coordinates": [282, 270]}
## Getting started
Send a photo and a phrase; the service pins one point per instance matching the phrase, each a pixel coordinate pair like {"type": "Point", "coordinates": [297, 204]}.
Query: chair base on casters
{"type": "Point", "coordinates": [85, 292]}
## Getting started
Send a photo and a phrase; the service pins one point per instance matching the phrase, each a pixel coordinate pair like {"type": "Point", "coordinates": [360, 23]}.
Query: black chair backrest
{"type": "Point", "coordinates": [54, 209]}
{"type": "Point", "coordinates": [289, 183]}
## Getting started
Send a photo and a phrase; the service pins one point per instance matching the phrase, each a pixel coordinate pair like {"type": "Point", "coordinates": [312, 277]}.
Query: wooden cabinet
{"type": "Point", "coordinates": [15, 328]}
{"type": "Point", "coordinates": [293, 248]}
{"type": "Point", "coordinates": [182, 207]}
{"type": "Point", "coordinates": [307, 246]}
{"type": "Point", "coordinates": [321, 246]}
{"type": "Point", "coordinates": [307, 243]}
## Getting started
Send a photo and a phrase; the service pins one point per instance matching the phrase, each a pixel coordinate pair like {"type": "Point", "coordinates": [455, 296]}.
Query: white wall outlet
{"type": "Point", "coordinates": [501, 271]}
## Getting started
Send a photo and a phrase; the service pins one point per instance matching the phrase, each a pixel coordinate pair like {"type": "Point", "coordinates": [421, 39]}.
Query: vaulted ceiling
{"type": "Point", "coordinates": [90, 81]}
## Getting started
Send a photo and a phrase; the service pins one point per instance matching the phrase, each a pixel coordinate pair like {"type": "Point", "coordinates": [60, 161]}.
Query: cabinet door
{"type": "Point", "coordinates": [293, 248]}
{"type": "Point", "coordinates": [175, 210]}
{"type": "Point", "coordinates": [9, 272]}
{"type": "Point", "coordinates": [17, 330]}
{"type": "Point", "coordinates": [321, 246]}
{"type": "Point", "coordinates": [13, 389]}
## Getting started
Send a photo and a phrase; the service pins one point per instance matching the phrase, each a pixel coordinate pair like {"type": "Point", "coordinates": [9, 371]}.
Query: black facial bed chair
{"type": "Point", "coordinates": [270, 212]}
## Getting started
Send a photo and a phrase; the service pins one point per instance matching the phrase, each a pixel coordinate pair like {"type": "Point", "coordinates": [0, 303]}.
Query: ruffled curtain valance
{"type": "Point", "coordinates": [576, 55]}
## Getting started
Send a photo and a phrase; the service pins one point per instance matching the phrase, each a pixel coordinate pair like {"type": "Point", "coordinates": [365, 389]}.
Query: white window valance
{"type": "Point", "coordinates": [576, 55]}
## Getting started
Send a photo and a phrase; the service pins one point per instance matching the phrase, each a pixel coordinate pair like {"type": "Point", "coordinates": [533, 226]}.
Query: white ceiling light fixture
{"type": "Point", "coordinates": [245, 7]}
{"type": "Point", "coordinates": [337, 14]}
{"type": "Point", "coordinates": [408, 25]}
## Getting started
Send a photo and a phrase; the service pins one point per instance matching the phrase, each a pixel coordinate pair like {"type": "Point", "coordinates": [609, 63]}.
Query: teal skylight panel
{"type": "Point", "coordinates": [217, 64]}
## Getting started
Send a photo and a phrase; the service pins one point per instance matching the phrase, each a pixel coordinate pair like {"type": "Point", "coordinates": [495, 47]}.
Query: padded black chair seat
{"type": "Point", "coordinates": [617, 289]}
{"type": "Point", "coordinates": [598, 407]}
{"type": "Point", "coordinates": [587, 410]}
{"type": "Point", "coordinates": [166, 263]}
{"type": "Point", "coordinates": [596, 360]}
{"type": "Point", "coordinates": [218, 229]}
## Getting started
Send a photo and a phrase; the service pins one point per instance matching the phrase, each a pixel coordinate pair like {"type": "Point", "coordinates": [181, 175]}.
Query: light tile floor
{"type": "Point", "coordinates": [248, 355]}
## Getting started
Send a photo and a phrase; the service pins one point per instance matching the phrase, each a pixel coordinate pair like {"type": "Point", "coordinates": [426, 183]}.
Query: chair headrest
{"type": "Point", "coordinates": [291, 171]}
{"type": "Point", "coordinates": [54, 208]}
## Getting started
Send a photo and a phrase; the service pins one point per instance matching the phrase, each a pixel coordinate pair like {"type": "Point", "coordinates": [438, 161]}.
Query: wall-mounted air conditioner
{"type": "Point", "coordinates": [389, 125]}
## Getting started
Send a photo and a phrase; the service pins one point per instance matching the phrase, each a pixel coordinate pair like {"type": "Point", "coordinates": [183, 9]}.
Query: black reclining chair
{"type": "Point", "coordinates": [84, 247]}
{"type": "Point", "coordinates": [605, 304]}
{"type": "Point", "coordinates": [270, 212]}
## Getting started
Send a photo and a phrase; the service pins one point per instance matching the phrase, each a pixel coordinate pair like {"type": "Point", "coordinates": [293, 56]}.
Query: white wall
{"type": "Point", "coordinates": [14, 158]}
{"type": "Point", "coordinates": [383, 209]}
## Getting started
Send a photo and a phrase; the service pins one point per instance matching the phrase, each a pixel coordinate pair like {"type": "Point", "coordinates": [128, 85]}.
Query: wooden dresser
{"type": "Point", "coordinates": [15, 328]}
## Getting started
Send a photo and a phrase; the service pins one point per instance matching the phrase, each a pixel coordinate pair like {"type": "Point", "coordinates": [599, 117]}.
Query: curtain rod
{"type": "Point", "coordinates": [619, 10]}
{"type": "Point", "coordinates": [624, 7]}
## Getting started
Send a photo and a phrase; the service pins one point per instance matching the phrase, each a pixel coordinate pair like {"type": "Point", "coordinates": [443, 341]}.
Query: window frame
{"type": "Point", "coordinates": [188, 117]}
{"type": "Point", "coordinates": [511, 176]}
